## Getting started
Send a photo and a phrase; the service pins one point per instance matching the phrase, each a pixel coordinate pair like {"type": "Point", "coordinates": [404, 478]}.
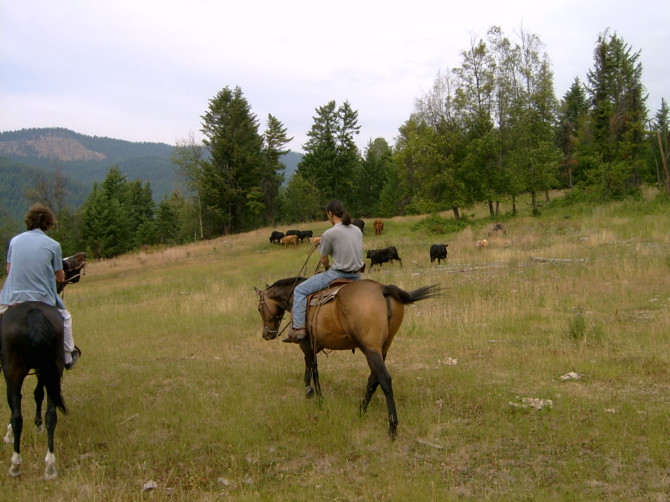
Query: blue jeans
{"type": "Point", "coordinates": [312, 285]}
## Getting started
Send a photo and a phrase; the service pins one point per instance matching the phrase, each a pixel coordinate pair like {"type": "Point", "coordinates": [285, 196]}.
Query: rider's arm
{"type": "Point", "coordinates": [60, 275]}
{"type": "Point", "coordinates": [324, 262]}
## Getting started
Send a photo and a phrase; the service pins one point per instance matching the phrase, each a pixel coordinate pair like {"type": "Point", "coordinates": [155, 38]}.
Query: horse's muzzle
{"type": "Point", "coordinates": [269, 334]}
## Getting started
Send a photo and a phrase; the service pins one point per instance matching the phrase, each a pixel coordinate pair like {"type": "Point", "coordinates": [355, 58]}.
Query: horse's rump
{"type": "Point", "coordinates": [32, 338]}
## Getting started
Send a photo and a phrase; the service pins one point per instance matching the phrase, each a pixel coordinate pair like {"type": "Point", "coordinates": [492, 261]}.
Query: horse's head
{"type": "Point", "coordinates": [271, 312]}
{"type": "Point", "coordinates": [74, 268]}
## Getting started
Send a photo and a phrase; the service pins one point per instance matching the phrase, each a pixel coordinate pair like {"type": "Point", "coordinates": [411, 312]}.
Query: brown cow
{"type": "Point", "coordinates": [482, 244]}
{"type": "Point", "coordinates": [290, 239]}
{"type": "Point", "coordinates": [315, 240]}
{"type": "Point", "coordinates": [379, 227]}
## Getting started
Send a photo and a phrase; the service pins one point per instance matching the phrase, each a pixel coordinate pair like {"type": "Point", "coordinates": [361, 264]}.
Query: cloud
{"type": "Point", "coordinates": [145, 71]}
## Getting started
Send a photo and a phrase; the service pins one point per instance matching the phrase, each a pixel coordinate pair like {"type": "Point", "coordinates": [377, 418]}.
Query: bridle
{"type": "Point", "coordinates": [270, 334]}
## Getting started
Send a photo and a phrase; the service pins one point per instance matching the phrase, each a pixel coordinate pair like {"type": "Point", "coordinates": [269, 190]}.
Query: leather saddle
{"type": "Point", "coordinates": [326, 295]}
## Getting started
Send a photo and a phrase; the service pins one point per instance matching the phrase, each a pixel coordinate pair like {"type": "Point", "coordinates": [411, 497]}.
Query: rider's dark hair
{"type": "Point", "coordinates": [39, 216]}
{"type": "Point", "coordinates": [337, 208]}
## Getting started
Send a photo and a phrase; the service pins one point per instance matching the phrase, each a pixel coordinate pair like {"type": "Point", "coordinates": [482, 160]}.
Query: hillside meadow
{"type": "Point", "coordinates": [541, 374]}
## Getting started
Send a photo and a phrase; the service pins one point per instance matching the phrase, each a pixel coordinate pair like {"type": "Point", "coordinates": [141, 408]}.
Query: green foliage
{"type": "Point", "coordinates": [301, 201]}
{"type": "Point", "coordinates": [331, 156]}
{"type": "Point", "coordinates": [435, 224]}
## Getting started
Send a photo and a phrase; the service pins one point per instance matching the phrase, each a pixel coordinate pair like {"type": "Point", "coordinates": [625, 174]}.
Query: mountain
{"type": "Point", "coordinates": [28, 155]}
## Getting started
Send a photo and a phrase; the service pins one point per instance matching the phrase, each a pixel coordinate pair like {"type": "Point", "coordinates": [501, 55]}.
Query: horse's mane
{"type": "Point", "coordinates": [289, 281]}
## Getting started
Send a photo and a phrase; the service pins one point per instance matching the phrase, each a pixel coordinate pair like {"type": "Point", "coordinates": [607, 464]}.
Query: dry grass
{"type": "Point", "coordinates": [177, 386]}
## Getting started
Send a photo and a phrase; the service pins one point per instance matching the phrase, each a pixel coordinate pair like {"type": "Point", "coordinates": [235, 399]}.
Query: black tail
{"type": "Point", "coordinates": [48, 349]}
{"type": "Point", "coordinates": [404, 297]}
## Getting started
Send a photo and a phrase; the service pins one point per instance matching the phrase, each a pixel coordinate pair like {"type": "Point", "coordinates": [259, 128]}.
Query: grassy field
{"type": "Point", "coordinates": [531, 379]}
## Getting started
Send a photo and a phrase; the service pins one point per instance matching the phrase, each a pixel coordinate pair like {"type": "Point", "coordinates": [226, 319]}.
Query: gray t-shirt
{"type": "Point", "coordinates": [344, 244]}
{"type": "Point", "coordinates": [34, 257]}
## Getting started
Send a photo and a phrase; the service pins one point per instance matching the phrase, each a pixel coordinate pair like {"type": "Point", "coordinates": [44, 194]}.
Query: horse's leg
{"type": "Point", "coordinates": [376, 363]}
{"type": "Point", "coordinates": [311, 369]}
{"type": "Point", "coordinates": [16, 422]}
{"type": "Point", "coordinates": [39, 399]}
{"type": "Point", "coordinates": [373, 383]}
{"type": "Point", "coordinates": [51, 419]}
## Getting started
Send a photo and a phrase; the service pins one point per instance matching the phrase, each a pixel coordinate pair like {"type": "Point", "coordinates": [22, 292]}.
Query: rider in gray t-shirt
{"type": "Point", "coordinates": [344, 243]}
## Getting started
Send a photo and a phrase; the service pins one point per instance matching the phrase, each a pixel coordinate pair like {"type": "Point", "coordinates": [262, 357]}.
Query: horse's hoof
{"type": "Point", "coordinates": [50, 473]}
{"type": "Point", "coordinates": [15, 467]}
{"type": "Point", "coordinates": [50, 467]}
{"type": "Point", "coordinates": [309, 393]}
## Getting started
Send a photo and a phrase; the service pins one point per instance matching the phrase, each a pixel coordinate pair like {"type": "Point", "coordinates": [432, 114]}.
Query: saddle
{"type": "Point", "coordinates": [326, 295]}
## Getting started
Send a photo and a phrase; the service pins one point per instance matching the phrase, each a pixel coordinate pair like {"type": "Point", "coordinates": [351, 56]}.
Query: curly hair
{"type": "Point", "coordinates": [39, 216]}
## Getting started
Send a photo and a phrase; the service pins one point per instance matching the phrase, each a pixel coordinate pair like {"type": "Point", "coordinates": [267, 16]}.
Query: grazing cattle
{"type": "Point", "coordinates": [315, 240]}
{"type": "Point", "coordinates": [290, 240]}
{"type": "Point", "coordinates": [305, 234]}
{"type": "Point", "coordinates": [276, 237]}
{"type": "Point", "coordinates": [292, 232]}
{"type": "Point", "coordinates": [379, 256]}
{"type": "Point", "coordinates": [499, 228]}
{"type": "Point", "coordinates": [379, 227]}
{"type": "Point", "coordinates": [438, 252]}
{"type": "Point", "coordinates": [482, 244]}
{"type": "Point", "coordinates": [359, 223]}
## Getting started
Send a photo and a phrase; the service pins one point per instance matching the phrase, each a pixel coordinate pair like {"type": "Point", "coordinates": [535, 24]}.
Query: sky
{"type": "Point", "coordinates": [146, 70]}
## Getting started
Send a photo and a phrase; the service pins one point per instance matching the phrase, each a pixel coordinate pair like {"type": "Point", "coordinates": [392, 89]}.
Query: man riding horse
{"type": "Point", "coordinates": [344, 242]}
{"type": "Point", "coordinates": [34, 265]}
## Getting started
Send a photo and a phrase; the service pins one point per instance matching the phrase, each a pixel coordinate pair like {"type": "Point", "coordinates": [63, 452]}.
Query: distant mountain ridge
{"type": "Point", "coordinates": [83, 160]}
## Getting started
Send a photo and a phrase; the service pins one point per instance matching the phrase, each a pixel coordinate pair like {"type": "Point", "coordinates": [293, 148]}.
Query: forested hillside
{"type": "Point", "coordinates": [82, 159]}
{"type": "Point", "coordinates": [33, 157]}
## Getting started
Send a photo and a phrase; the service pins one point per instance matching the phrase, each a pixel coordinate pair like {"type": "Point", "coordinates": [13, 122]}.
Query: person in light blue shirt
{"type": "Point", "coordinates": [34, 264]}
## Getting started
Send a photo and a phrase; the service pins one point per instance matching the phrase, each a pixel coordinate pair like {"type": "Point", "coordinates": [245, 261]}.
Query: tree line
{"type": "Point", "coordinates": [487, 132]}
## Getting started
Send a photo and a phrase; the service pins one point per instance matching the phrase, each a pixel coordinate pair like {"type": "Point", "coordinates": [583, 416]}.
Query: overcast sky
{"type": "Point", "coordinates": [145, 70]}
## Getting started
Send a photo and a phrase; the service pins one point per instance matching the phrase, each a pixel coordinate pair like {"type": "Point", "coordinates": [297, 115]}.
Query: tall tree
{"type": "Point", "coordinates": [370, 177]}
{"type": "Point", "coordinates": [275, 140]}
{"type": "Point", "coordinates": [232, 171]}
{"type": "Point", "coordinates": [331, 156]}
{"type": "Point", "coordinates": [187, 156]}
{"type": "Point", "coordinates": [618, 114]}
{"type": "Point", "coordinates": [573, 112]}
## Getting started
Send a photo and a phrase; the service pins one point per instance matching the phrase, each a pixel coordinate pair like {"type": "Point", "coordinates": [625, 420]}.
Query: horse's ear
{"type": "Point", "coordinates": [257, 291]}
{"type": "Point", "coordinates": [267, 286]}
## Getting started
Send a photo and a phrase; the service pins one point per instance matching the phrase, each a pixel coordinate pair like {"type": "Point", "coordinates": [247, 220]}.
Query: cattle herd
{"type": "Point", "coordinates": [376, 256]}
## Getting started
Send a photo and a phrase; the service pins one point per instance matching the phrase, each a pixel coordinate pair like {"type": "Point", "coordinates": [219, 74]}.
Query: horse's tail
{"type": "Point", "coordinates": [405, 297]}
{"type": "Point", "coordinates": [48, 349]}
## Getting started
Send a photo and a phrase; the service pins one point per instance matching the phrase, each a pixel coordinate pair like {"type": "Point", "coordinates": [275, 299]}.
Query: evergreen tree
{"type": "Point", "coordinates": [618, 114]}
{"type": "Point", "coordinates": [331, 156]}
{"type": "Point", "coordinates": [275, 140]}
{"type": "Point", "coordinates": [572, 114]}
{"type": "Point", "coordinates": [233, 168]}
{"type": "Point", "coordinates": [370, 177]}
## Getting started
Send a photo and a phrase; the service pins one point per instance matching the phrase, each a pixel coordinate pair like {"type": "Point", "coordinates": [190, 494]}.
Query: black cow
{"type": "Point", "coordinates": [305, 234]}
{"type": "Point", "coordinates": [379, 256]}
{"type": "Point", "coordinates": [276, 237]}
{"type": "Point", "coordinates": [439, 252]}
{"type": "Point", "coordinates": [359, 223]}
{"type": "Point", "coordinates": [293, 232]}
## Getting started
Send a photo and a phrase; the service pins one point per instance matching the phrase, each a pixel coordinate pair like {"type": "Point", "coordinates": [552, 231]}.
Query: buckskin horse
{"type": "Point", "coordinates": [361, 314]}
{"type": "Point", "coordinates": [32, 338]}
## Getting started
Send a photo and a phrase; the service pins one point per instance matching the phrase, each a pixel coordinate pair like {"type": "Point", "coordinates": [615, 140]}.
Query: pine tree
{"type": "Point", "coordinates": [233, 168]}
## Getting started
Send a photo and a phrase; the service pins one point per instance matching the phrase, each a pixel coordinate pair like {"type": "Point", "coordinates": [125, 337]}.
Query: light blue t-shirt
{"type": "Point", "coordinates": [34, 258]}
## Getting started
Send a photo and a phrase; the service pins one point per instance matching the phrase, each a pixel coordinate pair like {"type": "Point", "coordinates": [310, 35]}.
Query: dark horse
{"type": "Point", "coordinates": [364, 315]}
{"type": "Point", "coordinates": [74, 268]}
{"type": "Point", "coordinates": [32, 338]}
